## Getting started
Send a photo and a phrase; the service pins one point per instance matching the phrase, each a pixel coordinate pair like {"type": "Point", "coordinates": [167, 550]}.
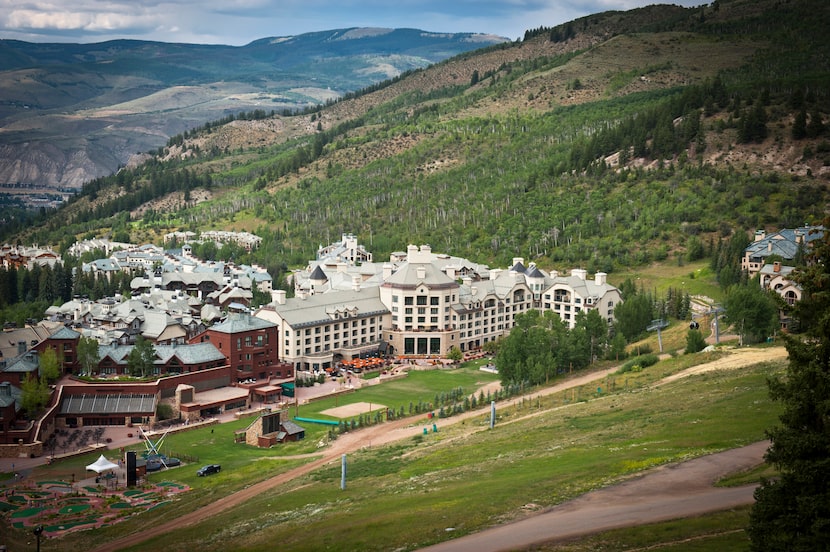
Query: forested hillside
{"type": "Point", "coordinates": [610, 141]}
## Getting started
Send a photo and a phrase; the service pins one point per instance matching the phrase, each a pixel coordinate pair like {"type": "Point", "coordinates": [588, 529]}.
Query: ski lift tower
{"type": "Point", "coordinates": [658, 325]}
{"type": "Point", "coordinates": [713, 310]}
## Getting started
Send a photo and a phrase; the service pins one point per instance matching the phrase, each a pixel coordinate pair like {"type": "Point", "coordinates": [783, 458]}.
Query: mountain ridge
{"type": "Point", "coordinates": [70, 104]}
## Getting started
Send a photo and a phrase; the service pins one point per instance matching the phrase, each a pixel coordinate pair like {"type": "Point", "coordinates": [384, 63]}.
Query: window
{"type": "Point", "coordinates": [407, 301]}
{"type": "Point", "coordinates": [422, 299]}
{"type": "Point", "coordinates": [433, 300]}
{"type": "Point", "coordinates": [248, 341]}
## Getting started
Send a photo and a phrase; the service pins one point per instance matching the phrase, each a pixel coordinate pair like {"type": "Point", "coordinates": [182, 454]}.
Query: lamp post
{"type": "Point", "coordinates": [38, 531]}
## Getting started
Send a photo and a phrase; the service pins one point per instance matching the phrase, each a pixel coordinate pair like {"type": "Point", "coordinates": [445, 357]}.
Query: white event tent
{"type": "Point", "coordinates": [102, 465]}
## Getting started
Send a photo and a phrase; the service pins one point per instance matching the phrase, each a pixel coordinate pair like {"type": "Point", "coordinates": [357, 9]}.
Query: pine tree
{"type": "Point", "coordinates": [792, 512]}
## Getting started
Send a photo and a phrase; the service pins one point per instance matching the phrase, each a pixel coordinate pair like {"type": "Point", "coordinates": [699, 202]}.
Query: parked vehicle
{"type": "Point", "coordinates": [209, 469]}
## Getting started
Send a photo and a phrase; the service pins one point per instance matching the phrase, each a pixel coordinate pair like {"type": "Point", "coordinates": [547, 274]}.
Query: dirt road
{"type": "Point", "coordinates": [407, 427]}
{"type": "Point", "coordinates": [665, 493]}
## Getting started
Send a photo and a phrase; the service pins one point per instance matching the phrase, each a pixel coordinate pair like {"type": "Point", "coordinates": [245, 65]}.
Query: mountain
{"type": "Point", "coordinates": [606, 142]}
{"type": "Point", "coordinates": [73, 112]}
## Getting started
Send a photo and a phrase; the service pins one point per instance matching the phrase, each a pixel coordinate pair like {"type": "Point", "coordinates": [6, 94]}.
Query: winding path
{"type": "Point", "coordinates": [632, 503]}
{"type": "Point", "coordinates": [668, 492]}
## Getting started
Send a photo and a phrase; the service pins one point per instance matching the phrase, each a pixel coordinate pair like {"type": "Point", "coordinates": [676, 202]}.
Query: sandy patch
{"type": "Point", "coordinates": [354, 409]}
{"type": "Point", "coordinates": [738, 358]}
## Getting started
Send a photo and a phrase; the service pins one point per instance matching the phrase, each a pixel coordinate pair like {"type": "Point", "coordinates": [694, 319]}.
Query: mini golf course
{"type": "Point", "coordinates": [60, 508]}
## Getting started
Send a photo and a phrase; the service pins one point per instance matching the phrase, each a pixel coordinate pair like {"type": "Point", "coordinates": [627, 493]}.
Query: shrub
{"type": "Point", "coordinates": [638, 363]}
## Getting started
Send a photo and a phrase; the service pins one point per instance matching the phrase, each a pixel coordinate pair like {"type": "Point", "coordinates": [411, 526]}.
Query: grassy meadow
{"type": "Point", "coordinates": [466, 477]}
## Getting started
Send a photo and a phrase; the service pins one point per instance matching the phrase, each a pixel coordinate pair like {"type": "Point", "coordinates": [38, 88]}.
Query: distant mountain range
{"type": "Point", "coordinates": [73, 112]}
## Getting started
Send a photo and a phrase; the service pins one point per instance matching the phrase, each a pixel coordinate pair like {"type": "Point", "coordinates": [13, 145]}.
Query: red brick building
{"type": "Point", "coordinates": [251, 346]}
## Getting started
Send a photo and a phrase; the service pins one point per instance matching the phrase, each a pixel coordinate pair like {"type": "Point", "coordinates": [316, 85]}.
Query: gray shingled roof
{"type": "Point", "coordinates": [318, 274]}
{"type": "Point", "coordinates": [317, 309]}
{"type": "Point", "coordinates": [784, 242]}
{"type": "Point", "coordinates": [9, 394]}
{"type": "Point", "coordinates": [407, 275]}
{"type": "Point", "coordinates": [65, 333]}
{"type": "Point", "coordinates": [238, 322]}
{"type": "Point", "coordinates": [291, 428]}
{"type": "Point", "coordinates": [196, 353]}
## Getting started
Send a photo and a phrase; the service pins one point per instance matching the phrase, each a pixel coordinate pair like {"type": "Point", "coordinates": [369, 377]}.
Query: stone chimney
{"type": "Point", "coordinates": [580, 273]}
{"type": "Point", "coordinates": [494, 273]}
{"type": "Point", "coordinates": [600, 278]}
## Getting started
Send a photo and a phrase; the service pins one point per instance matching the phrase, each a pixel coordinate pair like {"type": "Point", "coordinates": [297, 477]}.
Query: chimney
{"type": "Point", "coordinates": [580, 273]}
{"type": "Point", "coordinates": [421, 272]}
{"type": "Point", "coordinates": [769, 246]}
{"type": "Point", "coordinates": [278, 296]}
{"type": "Point", "coordinates": [760, 235]}
{"type": "Point", "coordinates": [494, 273]}
{"type": "Point", "coordinates": [776, 266]}
{"type": "Point", "coordinates": [355, 283]}
{"type": "Point", "coordinates": [600, 278]}
{"type": "Point", "coordinates": [5, 389]}
{"type": "Point", "coordinates": [387, 271]}
{"type": "Point", "coordinates": [21, 347]}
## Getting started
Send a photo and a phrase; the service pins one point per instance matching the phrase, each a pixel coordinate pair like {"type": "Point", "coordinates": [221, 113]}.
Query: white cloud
{"type": "Point", "coordinates": [242, 21]}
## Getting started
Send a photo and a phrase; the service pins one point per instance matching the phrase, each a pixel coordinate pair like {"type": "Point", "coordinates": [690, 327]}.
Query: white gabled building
{"type": "Point", "coordinates": [567, 296]}
{"type": "Point", "coordinates": [317, 331]}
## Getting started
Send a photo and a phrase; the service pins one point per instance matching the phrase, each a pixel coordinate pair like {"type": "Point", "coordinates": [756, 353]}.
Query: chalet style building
{"type": "Point", "coordinates": [784, 245]}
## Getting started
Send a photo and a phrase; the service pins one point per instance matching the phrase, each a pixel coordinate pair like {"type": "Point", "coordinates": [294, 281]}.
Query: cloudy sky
{"type": "Point", "coordinates": [238, 22]}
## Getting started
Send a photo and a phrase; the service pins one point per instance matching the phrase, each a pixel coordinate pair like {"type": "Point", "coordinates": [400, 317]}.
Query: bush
{"type": "Point", "coordinates": [638, 363]}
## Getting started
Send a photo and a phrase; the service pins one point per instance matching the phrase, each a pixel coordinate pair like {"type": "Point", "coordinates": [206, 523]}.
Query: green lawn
{"type": "Point", "coordinates": [417, 386]}
{"type": "Point", "coordinates": [693, 278]}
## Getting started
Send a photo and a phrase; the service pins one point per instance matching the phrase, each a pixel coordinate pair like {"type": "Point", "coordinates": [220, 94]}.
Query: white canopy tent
{"type": "Point", "coordinates": [102, 465]}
